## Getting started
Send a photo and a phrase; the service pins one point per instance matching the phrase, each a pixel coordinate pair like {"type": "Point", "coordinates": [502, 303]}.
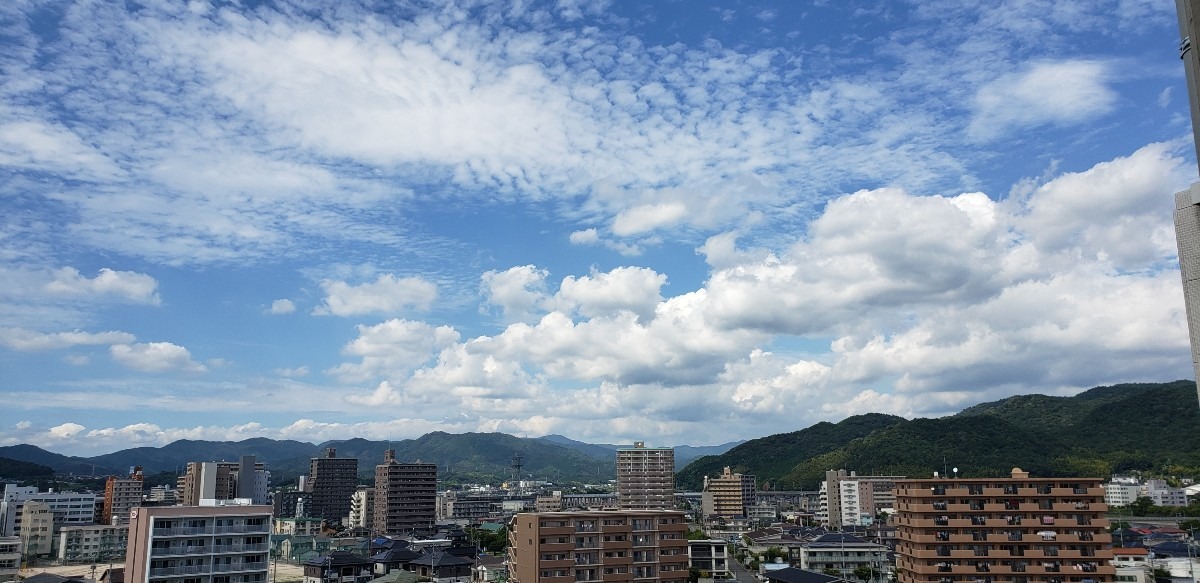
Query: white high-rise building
{"type": "Point", "coordinates": [69, 508]}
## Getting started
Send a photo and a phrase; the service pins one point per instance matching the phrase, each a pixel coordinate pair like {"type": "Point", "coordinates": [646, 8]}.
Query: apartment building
{"type": "Point", "coordinates": [246, 478]}
{"type": "Point", "coordinates": [727, 495]}
{"type": "Point", "coordinates": [96, 543]}
{"type": "Point", "coordinates": [10, 558]}
{"type": "Point", "coordinates": [711, 556]}
{"type": "Point", "coordinates": [69, 508]}
{"type": "Point", "coordinates": [405, 496]}
{"type": "Point", "coordinates": [847, 499]}
{"type": "Point", "coordinates": [362, 508]}
{"type": "Point", "coordinates": [609, 546]}
{"type": "Point", "coordinates": [844, 554]}
{"type": "Point", "coordinates": [224, 543]}
{"type": "Point", "coordinates": [122, 495]}
{"type": "Point", "coordinates": [1002, 530]}
{"type": "Point", "coordinates": [332, 482]}
{"type": "Point", "coordinates": [646, 477]}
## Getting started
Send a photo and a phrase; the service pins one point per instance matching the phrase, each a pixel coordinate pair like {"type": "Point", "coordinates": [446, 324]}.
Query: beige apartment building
{"type": "Point", "coordinates": [603, 546]}
{"type": "Point", "coordinates": [226, 543]}
{"type": "Point", "coordinates": [727, 495]}
{"type": "Point", "coordinates": [1002, 530]}
{"type": "Point", "coordinates": [646, 477]}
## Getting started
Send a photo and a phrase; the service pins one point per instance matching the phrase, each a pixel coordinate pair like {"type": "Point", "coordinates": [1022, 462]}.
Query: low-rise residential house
{"type": "Point", "coordinates": [338, 567]}
{"type": "Point", "coordinates": [489, 569]}
{"type": "Point", "coordinates": [442, 567]}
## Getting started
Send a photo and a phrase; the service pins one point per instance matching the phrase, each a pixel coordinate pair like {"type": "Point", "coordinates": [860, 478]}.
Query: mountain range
{"type": "Point", "coordinates": [1099, 432]}
{"type": "Point", "coordinates": [1105, 430]}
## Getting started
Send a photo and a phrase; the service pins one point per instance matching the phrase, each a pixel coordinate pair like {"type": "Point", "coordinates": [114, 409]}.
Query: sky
{"type": "Point", "coordinates": [679, 222]}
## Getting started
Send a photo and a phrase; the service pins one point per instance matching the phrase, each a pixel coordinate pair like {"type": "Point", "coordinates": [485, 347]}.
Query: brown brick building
{"type": "Point", "coordinates": [607, 546]}
{"type": "Point", "coordinates": [1002, 530]}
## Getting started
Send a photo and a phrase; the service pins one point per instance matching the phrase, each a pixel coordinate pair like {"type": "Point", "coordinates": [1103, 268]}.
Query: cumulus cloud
{"type": "Point", "coordinates": [520, 292]}
{"type": "Point", "coordinates": [392, 347]}
{"type": "Point", "coordinates": [28, 340]}
{"type": "Point", "coordinates": [66, 430]}
{"type": "Point", "coordinates": [282, 306]}
{"type": "Point", "coordinates": [386, 295]}
{"type": "Point", "coordinates": [155, 357]}
{"type": "Point", "coordinates": [299, 371]}
{"type": "Point", "coordinates": [633, 289]}
{"type": "Point", "coordinates": [129, 285]}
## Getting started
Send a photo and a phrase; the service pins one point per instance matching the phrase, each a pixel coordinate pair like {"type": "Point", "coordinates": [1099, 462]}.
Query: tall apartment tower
{"type": "Point", "coordinates": [1187, 203]}
{"type": "Point", "coordinates": [1017, 529]}
{"type": "Point", "coordinates": [728, 495]}
{"type": "Point", "coordinates": [646, 477]}
{"type": "Point", "coordinates": [332, 481]}
{"type": "Point", "coordinates": [122, 495]}
{"type": "Point", "coordinates": [223, 542]}
{"type": "Point", "coordinates": [619, 546]}
{"type": "Point", "coordinates": [405, 497]}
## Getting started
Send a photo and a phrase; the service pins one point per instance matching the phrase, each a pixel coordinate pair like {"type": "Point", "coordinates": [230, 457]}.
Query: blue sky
{"type": "Point", "coordinates": [677, 222]}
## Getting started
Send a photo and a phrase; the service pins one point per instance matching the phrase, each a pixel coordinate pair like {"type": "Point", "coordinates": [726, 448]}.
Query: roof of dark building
{"type": "Point", "coordinates": [794, 575]}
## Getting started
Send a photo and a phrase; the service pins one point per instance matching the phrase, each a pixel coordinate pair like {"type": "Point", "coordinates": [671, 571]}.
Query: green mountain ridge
{"type": "Point", "coordinates": [1098, 432]}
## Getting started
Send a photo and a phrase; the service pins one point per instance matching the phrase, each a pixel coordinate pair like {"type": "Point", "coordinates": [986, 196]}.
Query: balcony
{"type": "Point", "coordinates": [176, 551]}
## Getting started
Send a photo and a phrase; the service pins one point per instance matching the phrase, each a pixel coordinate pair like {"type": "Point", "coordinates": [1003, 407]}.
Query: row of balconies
{"type": "Point", "coordinates": [999, 507]}
{"type": "Point", "coordinates": [1029, 569]}
{"type": "Point", "coordinates": [1000, 522]}
{"type": "Point", "coordinates": [1004, 554]}
{"type": "Point", "coordinates": [205, 550]}
{"type": "Point", "coordinates": [215, 530]}
{"type": "Point", "coordinates": [1010, 537]}
{"type": "Point", "coordinates": [996, 491]}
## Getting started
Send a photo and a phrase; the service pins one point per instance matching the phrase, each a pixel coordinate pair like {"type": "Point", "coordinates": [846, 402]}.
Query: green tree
{"type": "Point", "coordinates": [864, 572]}
{"type": "Point", "coordinates": [831, 572]}
{"type": "Point", "coordinates": [1143, 506]}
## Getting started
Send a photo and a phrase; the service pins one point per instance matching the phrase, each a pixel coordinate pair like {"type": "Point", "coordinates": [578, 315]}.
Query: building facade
{"type": "Point", "coordinates": [711, 556]}
{"type": "Point", "coordinates": [1002, 530]}
{"type": "Point", "coordinates": [843, 555]}
{"type": "Point", "coordinates": [646, 477]}
{"type": "Point", "coordinates": [609, 546]}
{"type": "Point", "coordinates": [362, 508]}
{"type": "Point", "coordinates": [1187, 202]}
{"type": "Point", "coordinates": [332, 482]}
{"type": "Point", "coordinates": [96, 543]}
{"type": "Point", "coordinates": [226, 543]}
{"type": "Point", "coordinates": [246, 478]}
{"type": "Point", "coordinates": [847, 499]}
{"type": "Point", "coordinates": [728, 495]}
{"type": "Point", "coordinates": [10, 558]}
{"type": "Point", "coordinates": [69, 508]}
{"type": "Point", "coordinates": [122, 495]}
{"type": "Point", "coordinates": [405, 497]}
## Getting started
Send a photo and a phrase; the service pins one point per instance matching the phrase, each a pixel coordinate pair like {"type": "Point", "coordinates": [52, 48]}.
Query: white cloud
{"type": "Point", "coordinates": [137, 287]}
{"type": "Point", "coordinates": [584, 237]}
{"type": "Point", "coordinates": [1064, 92]}
{"type": "Point", "coordinates": [634, 289]}
{"type": "Point", "coordinates": [25, 340]}
{"type": "Point", "coordinates": [384, 394]}
{"type": "Point", "coordinates": [297, 372]}
{"type": "Point", "coordinates": [155, 357]}
{"type": "Point", "coordinates": [76, 359]}
{"type": "Point", "coordinates": [519, 292]}
{"type": "Point", "coordinates": [392, 347]}
{"type": "Point", "coordinates": [282, 306]}
{"type": "Point", "coordinates": [386, 295]}
{"type": "Point", "coordinates": [66, 430]}
{"type": "Point", "coordinates": [644, 218]}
